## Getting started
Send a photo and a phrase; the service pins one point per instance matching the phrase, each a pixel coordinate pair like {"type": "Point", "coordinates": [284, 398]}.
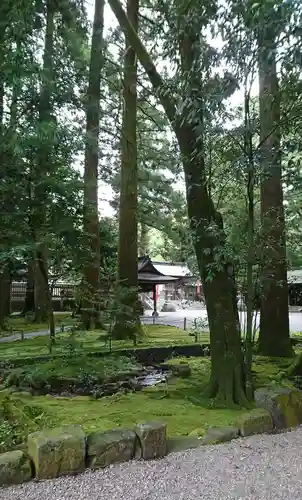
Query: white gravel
{"type": "Point", "coordinates": [256, 468]}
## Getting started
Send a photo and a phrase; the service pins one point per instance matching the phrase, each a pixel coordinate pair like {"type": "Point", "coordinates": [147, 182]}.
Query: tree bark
{"type": "Point", "coordinates": [127, 324]}
{"type": "Point", "coordinates": [41, 287]}
{"type": "Point", "coordinates": [43, 301]}
{"type": "Point", "coordinates": [274, 339]}
{"type": "Point", "coordinates": [29, 303]}
{"type": "Point", "coordinates": [227, 367]}
{"type": "Point", "coordinates": [248, 149]}
{"type": "Point", "coordinates": [91, 269]}
{"type": "Point", "coordinates": [45, 292]}
{"type": "Point", "coordinates": [5, 294]}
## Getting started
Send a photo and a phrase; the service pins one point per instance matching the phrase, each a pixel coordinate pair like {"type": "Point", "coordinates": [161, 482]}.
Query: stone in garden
{"type": "Point", "coordinates": [152, 439]}
{"type": "Point", "coordinates": [181, 370]}
{"type": "Point", "coordinates": [199, 432]}
{"type": "Point", "coordinates": [15, 468]}
{"type": "Point", "coordinates": [257, 421]}
{"type": "Point", "coordinates": [22, 394]}
{"type": "Point", "coordinates": [168, 307]}
{"type": "Point", "coordinates": [284, 404]}
{"type": "Point", "coordinates": [110, 447]}
{"type": "Point", "coordinates": [182, 443]}
{"type": "Point", "coordinates": [216, 435]}
{"type": "Point", "coordinates": [59, 451]}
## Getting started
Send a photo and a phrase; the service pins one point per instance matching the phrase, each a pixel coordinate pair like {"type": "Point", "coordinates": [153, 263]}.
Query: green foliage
{"type": "Point", "coordinates": [18, 419]}
{"type": "Point", "coordinates": [86, 370]}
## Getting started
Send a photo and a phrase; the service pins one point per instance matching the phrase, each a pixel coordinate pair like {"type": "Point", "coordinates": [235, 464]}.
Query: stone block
{"type": "Point", "coordinates": [284, 405]}
{"type": "Point", "coordinates": [216, 435]}
{"type": "Point", "coordinates": [110, 447]}
{"type": "Point", "coordinates": [257, 421]}
{"type": "Point", "coordinates": [15, 468]}
{"type": "Point", "coordinates": [57, 452]}
{"type": "Point", "coordinates": [152, 438]}
{"type": "Point", "coordinates": [182, 370]}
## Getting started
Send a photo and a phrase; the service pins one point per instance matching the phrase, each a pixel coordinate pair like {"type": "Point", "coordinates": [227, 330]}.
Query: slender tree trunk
{"type": "Point", "coordinates": [41, 287]}
{"type": "Point", "coordinates": [91, 269]}
{"type": "Point", "coordinates": [5, 294]}
{"type": "Point", "coordinates": [274, 339]}
{"type": "Point", "coordinates": [227, 369]}
{"type": "Point", "coordinates": [43, 301]}
{"type": "Point", "coordinates": [47, 296]}
{"type": "Point", "coordinates": [248, 146]}
{"type": "Point", "coordinates": [127, 323]}
{"type": "Point", "coordinates": [5, 277]}
{"type": "Point", "coordinates": [29, 303]}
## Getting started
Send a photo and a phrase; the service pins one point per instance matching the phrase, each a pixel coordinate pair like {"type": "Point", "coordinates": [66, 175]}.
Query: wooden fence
{"type": "Point", "coordinates": [18, 290]}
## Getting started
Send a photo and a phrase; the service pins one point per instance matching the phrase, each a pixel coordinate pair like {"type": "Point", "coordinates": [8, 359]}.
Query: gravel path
{"type": "Point", "coordinates": [256, 468]}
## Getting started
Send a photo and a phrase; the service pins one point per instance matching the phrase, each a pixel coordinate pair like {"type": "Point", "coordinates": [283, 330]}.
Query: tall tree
{"type": "Point", "coordinates": [186, 117]}
{"type": "Point", "coordinates": [274, 339]}
{"type": "Point", "coordinates": [91, 269]}
{"type": "Point", "coordinates": [44, 166]}
{"type": "Point", "coordinates": [127, 319]}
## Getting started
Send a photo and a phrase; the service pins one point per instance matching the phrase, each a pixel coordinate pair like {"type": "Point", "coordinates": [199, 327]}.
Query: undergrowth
{"type": "Point", "coordinates": [19, 418]}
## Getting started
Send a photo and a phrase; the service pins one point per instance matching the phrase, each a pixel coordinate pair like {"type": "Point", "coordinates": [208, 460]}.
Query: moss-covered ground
{"type": "Point", "coordinates": [154, 335]}
{"type": "Point", "coordinates": [84, 369]}
{"type": "Point", "coordinates": [179, 402]}
{"type": "Point", "coordinates": [18, 324]}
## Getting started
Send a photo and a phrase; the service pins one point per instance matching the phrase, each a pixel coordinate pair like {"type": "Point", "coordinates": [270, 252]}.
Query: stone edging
{"type": "Point", "coordinates": [68, 451]}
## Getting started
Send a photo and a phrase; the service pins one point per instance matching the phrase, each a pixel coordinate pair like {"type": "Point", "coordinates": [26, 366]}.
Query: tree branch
{"type": "Point", "coordinates": [144, 58]}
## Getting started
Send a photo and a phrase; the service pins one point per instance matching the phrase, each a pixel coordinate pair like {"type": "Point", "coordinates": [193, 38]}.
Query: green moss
{"type": "Point", "coordinates": [81, 368]}
{"type": "Point", "coordinates": [26, 324]}
{"type": "Point", "coordinates": [270, 371]}
{"type": "Point", "coordinates": [178, 403]}
{"type": "Point", "coordinates": [19, 417]}
{"type": "Point", "coordinates": [92, 341]}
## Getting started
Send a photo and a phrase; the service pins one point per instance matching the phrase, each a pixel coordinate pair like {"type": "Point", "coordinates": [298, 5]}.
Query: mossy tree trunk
{"type": "Point", "coordinates": [127, 323]}
{"type": "Point", "coordinates": [274, 339]}
{"type": "Point", "coordinates": [227, 365]}
{"type": "Point", "coordinates": [91, 270]}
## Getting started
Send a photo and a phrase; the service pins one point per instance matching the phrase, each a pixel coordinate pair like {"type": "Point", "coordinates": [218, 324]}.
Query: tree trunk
{"type": "Point", "coordinates": [274, 339]}
{"type": "Point", "coordinates": [248, 149]}
{"type": "Point", "coordinates": [4, 268]}
{"type": "Point", "coordinates": [227, 383]}
{"type": "Point", "coordinates": [41, 288]}
{"type": "Point", "coordinates": [38, 220]}
{"type": "Point", "coordinates": [91, 269]}
{"type": "Point", "coordinates": [5, 294]}
{"type": "Point", "coordinates": [29, 303]}
{"type": "Point", "coordinates": [46, 293]}
{"type": "Point", "coordinates": [227, 366]}
{"type": "Point", "coordinates": [127, 324]}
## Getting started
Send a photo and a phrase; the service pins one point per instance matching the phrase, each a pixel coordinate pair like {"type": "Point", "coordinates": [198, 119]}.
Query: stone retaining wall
{"type": "Point", "coordinates": [67, 450]}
